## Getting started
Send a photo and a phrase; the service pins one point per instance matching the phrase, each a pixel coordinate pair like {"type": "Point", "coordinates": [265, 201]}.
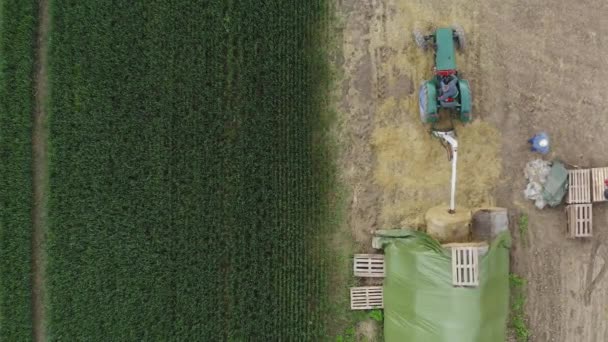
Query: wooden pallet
{"type": "Point", "coordinates": [366, 298]}
{"type": "Point", "coordinates": [465, 266]}
{"type": "Point", "coordinates": [369, 265]}
{"type": "Point", "coordinates": [580, 220]}
{"type": "Point", "coordinates": [579, 186]}
{"type": "Point", "coordinates": [598, 175]}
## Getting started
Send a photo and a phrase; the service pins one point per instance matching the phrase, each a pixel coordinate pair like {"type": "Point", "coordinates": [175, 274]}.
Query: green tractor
{"type": "Point", "coordinates": [445, 89]}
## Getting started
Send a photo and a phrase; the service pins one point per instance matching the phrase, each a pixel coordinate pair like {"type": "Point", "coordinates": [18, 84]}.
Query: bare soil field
{"type": "Point", "coordinates": [533, 65]}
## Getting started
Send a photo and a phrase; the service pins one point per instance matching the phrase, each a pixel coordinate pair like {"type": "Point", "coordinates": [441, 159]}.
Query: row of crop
{"type": "Point", "coordinates": [184, 189]}
{"type": "Point", "coordinates": [17, 36]}
{"type": "Point", "coordinates": [280, 203]}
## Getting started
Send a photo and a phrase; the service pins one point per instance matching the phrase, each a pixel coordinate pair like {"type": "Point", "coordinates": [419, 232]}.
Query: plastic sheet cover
{"type": "Point", "coordinates": [420, 303]}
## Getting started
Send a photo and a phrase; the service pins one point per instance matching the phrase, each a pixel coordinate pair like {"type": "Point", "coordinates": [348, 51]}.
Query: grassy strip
{"type": "Point", "coordinates": [17, 32]}
{"type": "Point", "coordinates": [523, 227]}
{"type": "Point", "coordinates": [189, 179]}
{"type": "Point", "coordinates": [518, 302]}
{"type": "Point", "coordinates": [350, 333]}
{"type": "Point", "coordinates": [339, 319]}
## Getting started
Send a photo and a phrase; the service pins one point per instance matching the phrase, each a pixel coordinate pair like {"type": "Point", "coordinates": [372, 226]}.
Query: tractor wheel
{"type": "Point", "coordinates": [419, 39]}
{"type": "Point", "coordinates": [466, 117]}
{"type": "Point", "coordinates": [428, 110]}
{"type": "Point", "coordinates": [466, 101]}
{"type": "Point", "coordinates": [460, 38]}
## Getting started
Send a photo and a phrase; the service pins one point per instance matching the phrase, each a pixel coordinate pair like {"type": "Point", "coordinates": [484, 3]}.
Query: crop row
{"type": "Point", "coordinates": [17, 31]}
{"type": "Point", "coordinates": [185, 185]}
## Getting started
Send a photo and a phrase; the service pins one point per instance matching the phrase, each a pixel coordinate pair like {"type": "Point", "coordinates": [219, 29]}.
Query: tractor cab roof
{"type": "Point", "coordinates": [445, 58]}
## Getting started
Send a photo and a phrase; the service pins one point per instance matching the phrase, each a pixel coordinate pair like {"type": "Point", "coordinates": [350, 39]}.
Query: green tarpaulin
{"type": "Point", "coordinates": [556, 185]}
{"type": "Point", "coordinates": [420, 303]}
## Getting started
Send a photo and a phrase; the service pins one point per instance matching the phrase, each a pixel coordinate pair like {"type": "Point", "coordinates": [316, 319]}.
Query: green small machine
{"type": "Point", "coordinates": [446, 89]}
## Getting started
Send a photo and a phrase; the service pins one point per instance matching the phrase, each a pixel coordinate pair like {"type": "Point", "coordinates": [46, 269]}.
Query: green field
{"type": "Point", "coordinates": [187, 171]}
{"type": "Point", "coordinates": [17, 31]}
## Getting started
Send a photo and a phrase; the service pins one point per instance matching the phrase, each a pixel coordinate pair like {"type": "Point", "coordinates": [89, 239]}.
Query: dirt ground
{"type": "Point", "coordinates": [533, 65]}
{"type": "Point", "coordinates": [39, 173]}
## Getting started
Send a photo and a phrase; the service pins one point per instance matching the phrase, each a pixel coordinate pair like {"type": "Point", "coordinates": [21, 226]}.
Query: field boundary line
{"type": "Point", "coordinates": [39, 173]}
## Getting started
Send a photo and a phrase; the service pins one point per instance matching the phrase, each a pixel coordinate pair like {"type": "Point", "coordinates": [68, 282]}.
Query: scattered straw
{"type": "Point", "coordinates": [411, 166]}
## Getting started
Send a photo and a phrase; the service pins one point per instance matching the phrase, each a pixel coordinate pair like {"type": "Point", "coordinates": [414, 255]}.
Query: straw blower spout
{"type": "Point", "coordinates": [450, 224]}
{"type": "Point", "coordinates": [448, 139]}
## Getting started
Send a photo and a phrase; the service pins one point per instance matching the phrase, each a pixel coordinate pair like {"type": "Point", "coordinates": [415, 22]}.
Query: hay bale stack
{"type": "Point", "coordinates": [446, 227]}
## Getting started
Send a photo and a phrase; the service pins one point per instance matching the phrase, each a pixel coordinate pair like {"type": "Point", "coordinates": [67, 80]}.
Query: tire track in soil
{"type": "Point", "coordinates": [39, 173]}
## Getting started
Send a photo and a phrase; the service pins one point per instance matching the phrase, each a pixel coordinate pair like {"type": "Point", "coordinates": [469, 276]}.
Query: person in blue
{"type": "Point", "coordinates": [540, 143]}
